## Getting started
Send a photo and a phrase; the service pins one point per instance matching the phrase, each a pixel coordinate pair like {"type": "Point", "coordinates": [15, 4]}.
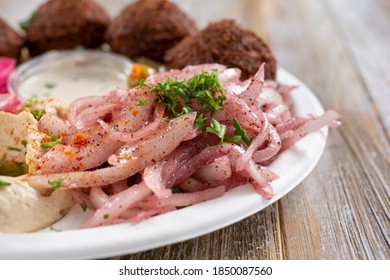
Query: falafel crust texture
{"type": "Point", "coordinates": [11, 42]}
{"type": "Point", "coordinates": [227, 43]}
{"type": "Point", "coordinates": [65, 25]}
{"type": "Point", "coordinates": [148, 28]}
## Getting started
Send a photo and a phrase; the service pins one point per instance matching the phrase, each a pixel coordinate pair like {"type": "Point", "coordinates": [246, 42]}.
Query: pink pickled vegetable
{"type": "Point", "coordinates": [7, 65]}
{"type": "Point", "coordinates": [9, 102]}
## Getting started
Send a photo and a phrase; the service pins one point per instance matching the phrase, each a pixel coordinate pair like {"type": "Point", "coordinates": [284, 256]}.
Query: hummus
{"type": "Point", "coordinates": [22, 208]}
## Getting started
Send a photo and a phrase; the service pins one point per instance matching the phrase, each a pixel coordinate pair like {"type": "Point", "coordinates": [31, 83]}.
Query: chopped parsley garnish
{"type": "Point", "coordinates": [53, 141]}
{"type": "Point", "coordinates": [141, 102]}
{"type": "Point", "coordinates": [179, 96]}
{"type": "Point", "coordinates": [239, 131]}
{"type": "Point", "coordinates": [54, 229]}
{"type": "Point", "coordinates": [4, 183]}
{"type": "Point", "coordinates": [200, 121]}
{"type": "Point", "coordinates": [217, 128]}
{"type": "Point", "coordinates": [38, 114]}
{"type": "Point", "coordinates": [220, 130]}
{"type": "Point", "coordinates": [143, 84]}
{"type": "Point", "coordinates": [50, 85]}
{"type": "Point", "coordinates": [84, 207]}
{"type": "Point", "coordinates": [106, 216]}
{"type": "Point", "coordinates": [232, 139]}
{"type": "Point", "coordinates": [14, 149]}
{"type": "Point", "coordinates": [30, 107]}
{"type": "Point", "coordinates": [176, 190]}
{"type": "Point", "coordinates": [33, 100]}
{"type": "Point", "coordinates": [25, 23]}
{"type": "Point", "coordinates": [203, 93]}
{"type": "Point", "coordinates": [13, 169]}
{"type": "Point", "coordinates": [23, 142]}
{"type": "Point", "coordinates": [56, 184]}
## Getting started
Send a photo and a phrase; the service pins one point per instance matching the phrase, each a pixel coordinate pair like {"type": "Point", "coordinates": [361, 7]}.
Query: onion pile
{"type": "Point", "coordinates": [145, 151]}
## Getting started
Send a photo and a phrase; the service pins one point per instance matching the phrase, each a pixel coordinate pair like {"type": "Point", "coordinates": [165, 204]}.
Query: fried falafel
{"type": "Point", "coordinates": [148, 28]}
{"type": "Point", "coordinates": [11, 42]}
{"type": "Point", "coordinates": [67, 24]}
{"type": "Point", "coordinates": [224, 42]}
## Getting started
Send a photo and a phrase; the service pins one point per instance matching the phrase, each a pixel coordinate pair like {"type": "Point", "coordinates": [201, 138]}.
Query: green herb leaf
{"type": "Point", "coordinates": [56, 184]}
{"type": "Point", "coordinates": [106, 216]}
{"type": "Point", "coordinates": [13, 169]}
{"type": "Point", "coordinates": [32, 101]}
{"type": "Point", "coordinates": [176, 190]}
{"type": "Point", "coordinates": [84, 207]}
{"type": "Point", "coordinates": [25, 23]}
{"type": "Point", "coordinates": [217, 128]}
{"type": "Point", "coordinates": [142, 84]}
{"type": "Point", "coordinates": [218, 81]}
{"type": "Point", "coordinates": [241, 132]}
{"type": "Point", "coordinates": [179, 97]}
{"type": "Point", "coordinates": [141, 102]}
{"type": "Point", "coordinates": [52, 143]}
{"type": "Point", "coordinates": [200, 121]}
{"type": "Point", "coordinates": [232, 139]}
{"type": "Point", "coordinates": [50, 85]}
{"type": "Point", "coordinates": [38, 114]}
{"type": "Point", "coordinates": [54, 229]}
{"type": "Point", "coordinates": [23, 142]}
{"type": "Point", "coordinates": [4, 183]}
{"type": "Point", "coordinates": [14, 149]}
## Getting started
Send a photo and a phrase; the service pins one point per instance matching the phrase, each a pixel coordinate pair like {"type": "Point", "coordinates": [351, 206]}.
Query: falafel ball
{"type": "Point", "coordinates": [10, 41]}
{"type": "Point", "coordinates": [227, 43]}
{"type": "Point", "coordinates": [148, 28]}
{"type": "Point", "coordinates": [59, 24]}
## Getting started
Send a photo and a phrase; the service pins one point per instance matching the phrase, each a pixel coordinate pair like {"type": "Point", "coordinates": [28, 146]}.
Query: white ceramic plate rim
{"type": "Point", "coordinates": [293, 166]}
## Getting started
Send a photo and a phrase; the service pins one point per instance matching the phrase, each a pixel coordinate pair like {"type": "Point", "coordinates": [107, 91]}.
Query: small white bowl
{"type": "Point", "coordinates": [70, 74]}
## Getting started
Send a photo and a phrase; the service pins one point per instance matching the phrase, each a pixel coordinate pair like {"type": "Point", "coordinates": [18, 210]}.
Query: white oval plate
{"type": "Point", "coordinates": [293, 165]}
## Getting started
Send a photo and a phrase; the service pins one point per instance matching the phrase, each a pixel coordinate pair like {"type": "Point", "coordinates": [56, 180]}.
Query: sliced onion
{"type": "Point", "coordinates": [54, 125]}
{"type": "Point", "coordinates": [161, 177]}
{"type": "Point", "coordinates": [137, 135]}
{"type": "Point", "coordinates": [89, 116]}
{"type": "Point", "coordinates": [82, 199]}
{"type": "Point", "coordinates": [273, 147]}
{"type": "Point", "coordinates": [191, 185]}
{"type": "Point", "coordinates": [130, 160]}
{"type": "Point", "coordinates": [82, 103]}
{"type": "Point", "coordinates": [242, 162]}
{"type": "Point", "coordinates": [327, 118]}
{"type": "Point", "coordinates": [252, 93]}
{"type": "Point", "coordinates": [98, 197]}
{"type": "Point", "coordinates": [182, 199]}
{"type": "Point", "coordinates": [143, 215]}
{"type": "Point", "coordinates": [219, 169]}
{"type": "Point", "coordinates": [119, 186]}
{"type": "Point", "coordinates": [117, 204]}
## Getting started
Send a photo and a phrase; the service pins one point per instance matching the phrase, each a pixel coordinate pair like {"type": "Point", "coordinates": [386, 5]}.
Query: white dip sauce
{"type": "Point", "coordinates": [74, 74]}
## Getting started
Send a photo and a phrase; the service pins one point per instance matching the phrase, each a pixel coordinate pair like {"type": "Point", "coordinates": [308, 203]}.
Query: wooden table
{"type": "Point", "coordinates": [341, 50]}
